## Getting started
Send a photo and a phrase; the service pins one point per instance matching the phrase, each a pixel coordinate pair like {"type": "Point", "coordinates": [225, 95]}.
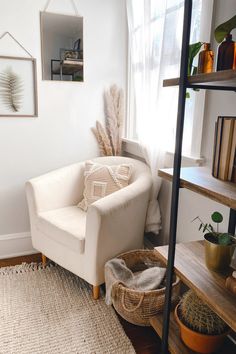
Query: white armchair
{"type": "Point", "coordinates": [81, 241]}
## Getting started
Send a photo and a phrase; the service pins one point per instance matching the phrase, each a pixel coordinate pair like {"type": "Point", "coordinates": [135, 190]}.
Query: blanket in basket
{"type": "Point", "coordinates": [148, 279]}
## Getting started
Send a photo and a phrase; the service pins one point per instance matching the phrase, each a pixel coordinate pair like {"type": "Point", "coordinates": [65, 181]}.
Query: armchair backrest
{"type": "Point", "coordinates": [139, 167]}
{"type": "Point", "coordinates": [64, 187]}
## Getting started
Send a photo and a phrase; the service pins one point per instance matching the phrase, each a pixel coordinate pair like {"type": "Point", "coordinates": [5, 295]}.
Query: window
{"type": "Point", "coordinates": [155, 39]}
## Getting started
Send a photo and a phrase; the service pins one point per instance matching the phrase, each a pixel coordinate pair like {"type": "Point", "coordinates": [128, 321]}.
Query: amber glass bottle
{"type": "Point", "coordinates": [206, 60]}
{"type": "Point", "coordinates": [226, 54]}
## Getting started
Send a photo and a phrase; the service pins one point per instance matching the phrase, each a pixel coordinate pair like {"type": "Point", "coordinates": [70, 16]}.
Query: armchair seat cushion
{"type": "Point", "coordinates": [65, 226]}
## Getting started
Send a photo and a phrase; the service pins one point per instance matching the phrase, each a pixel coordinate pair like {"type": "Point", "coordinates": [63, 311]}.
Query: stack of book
{"type": "Point", "coordinates": [231, 283]}
{"type": "Point", "coordinates": [224, 158]}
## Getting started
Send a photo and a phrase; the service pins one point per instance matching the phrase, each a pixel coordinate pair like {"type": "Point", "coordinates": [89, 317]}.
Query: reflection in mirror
{"type": "Point", "coordinates": [62, 47]}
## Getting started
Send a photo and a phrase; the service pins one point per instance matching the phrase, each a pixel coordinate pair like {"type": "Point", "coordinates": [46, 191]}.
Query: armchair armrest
{"type": "Point", "coordinates": [56, 189]}
{"type": "Point", "coordinates": [116, 224]}
{"type": "Point", "coordinates": [124, 198]}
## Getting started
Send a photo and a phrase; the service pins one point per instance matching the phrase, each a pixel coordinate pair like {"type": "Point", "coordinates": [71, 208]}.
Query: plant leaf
{"type": "Point", "coordinates": [193, 50]}
{"type": "Point", "coordinates": [11, 88]}
{"type": "Point", "coordinates": [205, 228]}
{"type": "Point", "coordinates": [217, 217]}
{"type": "Point", "coordinates": [224, 239]}
{"type": "Point", "coordinates": [187, 95]}
{"type": "Point", "coordinates": [225, 28]}
{"type": "Point", "coordinates": [210, 227]}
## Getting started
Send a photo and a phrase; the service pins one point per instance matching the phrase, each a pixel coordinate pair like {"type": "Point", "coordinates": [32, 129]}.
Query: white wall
{"type": "Point", "coordinates": [61, 134]}
{"type": "Point", "coordinates": [217, 103]}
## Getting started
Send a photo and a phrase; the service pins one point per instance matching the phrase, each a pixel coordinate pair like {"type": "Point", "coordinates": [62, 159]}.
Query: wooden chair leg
{"type": "Point", "coordinates": [96, 292]}
{"type": "Point", "coordinates": [44, 260]}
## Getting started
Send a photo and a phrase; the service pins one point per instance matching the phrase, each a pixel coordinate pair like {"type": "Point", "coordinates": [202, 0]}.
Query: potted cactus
{"type": "Point", "coordinates": [219, 247]}
{"type": "Point", "coordinates": [200, 328]}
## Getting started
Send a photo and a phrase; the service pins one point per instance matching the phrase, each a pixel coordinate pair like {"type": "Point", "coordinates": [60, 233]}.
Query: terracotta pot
{"type": "Point", "coordinates": [201, 343]}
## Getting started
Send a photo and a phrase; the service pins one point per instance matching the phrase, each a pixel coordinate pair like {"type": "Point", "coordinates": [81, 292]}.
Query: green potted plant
{"type": "Point", "coordinates": [200, 328]}
{"type": "Point", "coordinates": [219, 247]}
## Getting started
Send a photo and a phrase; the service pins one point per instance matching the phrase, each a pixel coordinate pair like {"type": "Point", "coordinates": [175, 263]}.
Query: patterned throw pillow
{"type": "Point", "coordinates": [102, 180]}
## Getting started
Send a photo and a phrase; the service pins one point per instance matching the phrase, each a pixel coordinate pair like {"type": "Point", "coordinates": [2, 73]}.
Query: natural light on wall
{"type": "Point", "coordinates": [155, 39]}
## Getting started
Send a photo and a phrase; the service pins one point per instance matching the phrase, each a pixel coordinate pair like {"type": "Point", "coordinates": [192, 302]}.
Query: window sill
{"type": "Point", "coordinates": [132, 148]}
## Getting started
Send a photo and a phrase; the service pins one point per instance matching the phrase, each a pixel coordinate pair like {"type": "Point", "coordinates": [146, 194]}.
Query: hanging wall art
{"type": "Point", "coordinates": [18, 88]}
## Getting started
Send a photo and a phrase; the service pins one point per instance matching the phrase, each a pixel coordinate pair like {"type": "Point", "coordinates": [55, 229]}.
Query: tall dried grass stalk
{"type": "Point", "coordinates": [100, 142]}
{"type": "Point", "coordinates": [109, 138]}
{"type": "Point", "coordinates": [103, 140]}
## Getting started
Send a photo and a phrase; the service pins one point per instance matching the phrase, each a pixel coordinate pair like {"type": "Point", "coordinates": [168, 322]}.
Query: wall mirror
{"type": "Point", "coordinates": [62, 47]}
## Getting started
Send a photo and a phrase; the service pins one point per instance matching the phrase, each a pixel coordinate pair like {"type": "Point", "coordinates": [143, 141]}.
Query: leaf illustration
{"type": "Point", "coordinates": [11, 89]}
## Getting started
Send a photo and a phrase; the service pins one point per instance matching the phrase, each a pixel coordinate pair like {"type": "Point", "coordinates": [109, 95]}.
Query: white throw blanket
{"type": "Point", "coordinates": [148, 279]}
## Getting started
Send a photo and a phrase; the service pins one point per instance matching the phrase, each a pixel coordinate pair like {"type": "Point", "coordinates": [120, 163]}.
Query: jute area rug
{"type": "Point", "coordinates": [51, 311]}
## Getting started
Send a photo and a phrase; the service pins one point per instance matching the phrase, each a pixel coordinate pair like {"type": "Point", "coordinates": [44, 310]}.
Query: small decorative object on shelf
{"type": "Point", "coordinates": [200, 328]}
{"type": "Point", "coordinates": [219, 247]}
{"type": "Point", "coordinates": [205, 60]}
{"type": "Point", "coordinates": [227, 49]}
{"type": "Point", "coordinates": [226, 58]}
{"type": "Point", "coordinates": [224, 149]}
{"type": "Point", "coordinates": [230, 284]}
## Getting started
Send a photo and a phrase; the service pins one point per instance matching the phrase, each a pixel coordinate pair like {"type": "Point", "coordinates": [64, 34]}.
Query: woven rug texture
{"type": "Point", "coordinates": [51, 311]}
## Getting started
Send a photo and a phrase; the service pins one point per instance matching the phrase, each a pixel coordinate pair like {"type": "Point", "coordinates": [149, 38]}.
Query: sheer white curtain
{"type": "Point", "coordinates": [155, 32]}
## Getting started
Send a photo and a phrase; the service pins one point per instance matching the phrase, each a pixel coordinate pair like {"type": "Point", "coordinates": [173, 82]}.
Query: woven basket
{"type": "Point", "coordinates": [138, 306]}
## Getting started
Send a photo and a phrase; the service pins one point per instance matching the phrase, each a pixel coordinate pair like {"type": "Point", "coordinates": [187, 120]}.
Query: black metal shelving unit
{"type": "Point", "coordinates": [184, 84]}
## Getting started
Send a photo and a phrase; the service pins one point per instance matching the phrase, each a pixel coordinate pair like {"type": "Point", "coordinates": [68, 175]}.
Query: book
{"type": "Point", "coordinates": [233, 179]}
{"type": "Point", "coordinates": [230, 284]}
{"type": "Point", "coordinates": [232, 153]}
{"type": "Point", "coordinates": [225, 148]}
{"type": "Point", "coordinates": [214, 149]}
{"type": "Point", "coordinates": [217, 145]}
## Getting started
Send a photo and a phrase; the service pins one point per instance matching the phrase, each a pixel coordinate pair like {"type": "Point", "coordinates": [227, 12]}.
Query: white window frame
{"type": "Point", "coordinates": [131, 145]}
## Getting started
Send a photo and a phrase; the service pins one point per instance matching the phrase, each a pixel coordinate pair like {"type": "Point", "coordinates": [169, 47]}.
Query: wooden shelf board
{"type": "Point", "coordinates": [69, 67]}
{"type": "Point", "coordinates": [176, 346]}
{"type": "Point", "coordinates": [219, 78]}
{"type": "Point", "coordinates": [209, 286]}
{"type": "Point", "coordinates": [200, 180]}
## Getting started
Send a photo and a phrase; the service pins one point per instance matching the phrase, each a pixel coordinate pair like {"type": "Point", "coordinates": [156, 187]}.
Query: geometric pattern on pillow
{"type": "Point", "coordinates": [102, 180]}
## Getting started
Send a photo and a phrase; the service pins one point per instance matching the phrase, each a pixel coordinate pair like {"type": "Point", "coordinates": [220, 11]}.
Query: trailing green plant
{"type": "Point", "coordinates": [225, 28]}
{"type": "Point", "coordinates": [220, 238]}
{"type": "Point", "coordinates": [11, 89]}
{"type": "Point", "coordinates": [197, 315]}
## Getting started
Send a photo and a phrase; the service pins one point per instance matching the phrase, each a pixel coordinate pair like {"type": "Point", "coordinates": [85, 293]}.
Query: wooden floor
{"type": "Point", "coordinates": [144, 339]}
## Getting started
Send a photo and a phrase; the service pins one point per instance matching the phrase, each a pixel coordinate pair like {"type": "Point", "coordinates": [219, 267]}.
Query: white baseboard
{"type": "Point", "coordinates": [14, 245]}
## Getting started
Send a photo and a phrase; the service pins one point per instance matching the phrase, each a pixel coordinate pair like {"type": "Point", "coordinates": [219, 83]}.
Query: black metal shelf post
{"type": "Point", "coordinates": [176, 172]}
{"type": "Point", "coordinates": [232, 221]}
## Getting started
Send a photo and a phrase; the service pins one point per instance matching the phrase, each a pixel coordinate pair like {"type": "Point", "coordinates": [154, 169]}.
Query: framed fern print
{"type": "Point", "coordinates": [18, 93]}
